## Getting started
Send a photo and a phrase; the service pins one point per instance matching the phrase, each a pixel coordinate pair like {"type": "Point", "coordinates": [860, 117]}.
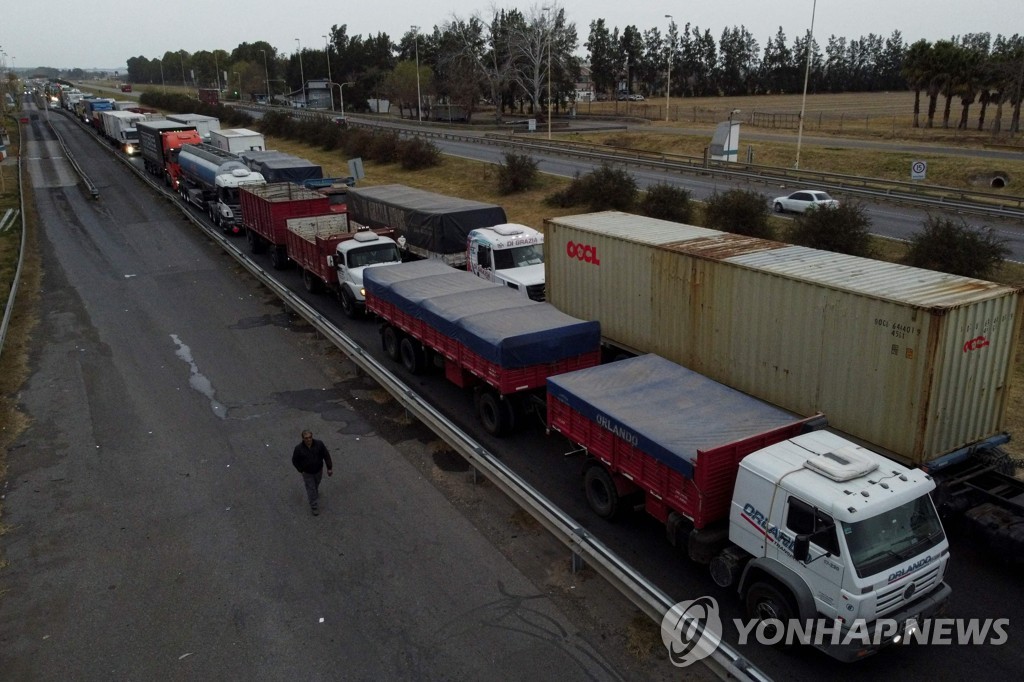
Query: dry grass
{"type": "Point", "coordinates": [643, 636]}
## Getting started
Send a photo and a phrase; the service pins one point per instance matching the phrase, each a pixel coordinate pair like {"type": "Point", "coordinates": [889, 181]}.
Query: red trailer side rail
{"type": "Point", "coordinates": [704, 498]}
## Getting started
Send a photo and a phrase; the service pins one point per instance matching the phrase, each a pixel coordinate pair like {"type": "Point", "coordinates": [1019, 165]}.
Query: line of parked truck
{"type": "Point", "coordinates": [737, 349]}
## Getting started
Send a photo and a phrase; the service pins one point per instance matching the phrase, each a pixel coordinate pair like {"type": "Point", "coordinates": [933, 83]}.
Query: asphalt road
{"type": "Point", "coordinates": [156, 529]}
{"type": "Point", "coordinates": [982, 586]}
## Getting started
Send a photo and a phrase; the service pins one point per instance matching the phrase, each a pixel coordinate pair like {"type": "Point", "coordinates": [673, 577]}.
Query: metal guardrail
{"type": "Point", "coordinates": [93, 190]}
{"type": "Point", "coordinates": [13, 294]}
{"type": "Point", "coordinates": [724, 662]}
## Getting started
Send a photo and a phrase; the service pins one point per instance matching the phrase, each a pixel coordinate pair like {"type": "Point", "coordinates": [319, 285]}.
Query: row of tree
{"type": "Point", "coordinates": [512, 58]}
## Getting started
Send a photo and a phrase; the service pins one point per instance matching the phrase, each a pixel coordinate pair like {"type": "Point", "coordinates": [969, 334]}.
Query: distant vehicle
{"type": "Point", "coordinates": [636, 98]}
{"type": "Point", "coordinates": [803, 201]}
{"type": "Point", "coordinates": [126, 87]}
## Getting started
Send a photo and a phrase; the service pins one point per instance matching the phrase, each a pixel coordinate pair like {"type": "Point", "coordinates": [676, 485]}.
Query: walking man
{"type": "Point", "coordinates": [309, 458]}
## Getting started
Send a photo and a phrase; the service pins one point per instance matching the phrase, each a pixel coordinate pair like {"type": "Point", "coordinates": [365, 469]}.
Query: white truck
{"type": "Point", "coordinates": [806, 525]}
{"type": "Point", "coordinates": [119, 128]}
{"type": "Point", "coordinates": [508, 254]}
{"type": "Point", "coordinates": [439, 227]}
{"type": "Point", "coordinates": [333, 256]}
{"type": "Point", "coordinates": [237, 140]}
{"type": "Point", "coordinates": [204, 124]}
{"type": "Point", "coordinates": [210, 179]}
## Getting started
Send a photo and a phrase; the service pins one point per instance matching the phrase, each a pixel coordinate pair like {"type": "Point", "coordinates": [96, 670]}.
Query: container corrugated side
{"type": "Point", "coordinates": [879, 348]}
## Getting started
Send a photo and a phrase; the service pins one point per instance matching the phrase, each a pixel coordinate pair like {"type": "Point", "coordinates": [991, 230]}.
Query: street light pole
{"type": "Point", "coordinates": [419, 98]}
{"type": "Point", "coordinates": [302, 73]}
{"type": "Point", "coordinates": [341, 95]}
{"type": "Point", "coordinates": [807, 75]}
{"type": "Point", "coordinates": [329, 72]}
{"type": "Point", "coordinates": [547, 19]}
{"type": "Point", "coordinates": [162, 83]}
{"type": "Point", "coordinates": [266, 72]}
{"type": "Point", "coordinates": [184, 83]}
{"type": "Point", "coordinates": [668, 73]}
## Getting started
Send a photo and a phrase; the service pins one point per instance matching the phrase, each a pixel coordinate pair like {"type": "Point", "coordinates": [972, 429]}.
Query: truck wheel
{"type": "Point", "coordinates": [770, 605]}
{"type": "Point", "coordinates": [255, 241]}
{"type": "Point", "coordinates": [310, 282]}
{"type": "Point", "coordinates": [348, 303]}
{"type": "Point", "coordinates": [390, 338]}
{"type": "Point", "coordinates": [278, 258]}
{"type": "Point", "coordinates": [412, 355]}
{"type": "Point", "coordinates": [602, 496]}
{"type": "Point", "coordinates": [493, 413]}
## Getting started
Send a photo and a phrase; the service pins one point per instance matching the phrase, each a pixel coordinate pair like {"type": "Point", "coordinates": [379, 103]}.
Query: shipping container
{"type": "Point", "coordinates": [915, 362]}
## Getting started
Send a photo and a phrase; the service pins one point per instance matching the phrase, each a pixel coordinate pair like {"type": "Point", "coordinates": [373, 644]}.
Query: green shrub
{"type": "Point", "coordinates": [517, 174]}
{"type": "Point", "coordinates": [417, 154]}
{"type": "Point", "coordinates": [843, 229]}
{"type": "Point", "coordinates": [954, 247]}
{"type": "Point", "coordinates": [357, 142]}
{"type": "Point", "coordinates": [739, 211]}
{"type": "Point", "coordinates": [384, 147]}
{"type": "Point", "coordinates": [667, 203]}
{"type": "Point", "coordinates": [603, 189]}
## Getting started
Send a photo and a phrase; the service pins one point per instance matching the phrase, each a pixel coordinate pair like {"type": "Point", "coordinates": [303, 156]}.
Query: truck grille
{"type": "Point", "coordinates": [536, 292]}
{"type": "Point", "coordinates": [893, 599]}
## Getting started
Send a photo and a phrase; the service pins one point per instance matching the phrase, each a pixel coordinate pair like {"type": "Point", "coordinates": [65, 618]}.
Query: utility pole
{"type": "Point", "coordinates": [302, 73]}
{"type": "Point", "coordinates": [419, 98]}
{"type": "Point", "coordinates": [330, 90]}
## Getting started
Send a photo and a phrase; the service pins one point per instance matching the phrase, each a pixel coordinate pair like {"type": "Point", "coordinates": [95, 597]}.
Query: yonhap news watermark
{"type": "Point", "coordinates": [692, 630]}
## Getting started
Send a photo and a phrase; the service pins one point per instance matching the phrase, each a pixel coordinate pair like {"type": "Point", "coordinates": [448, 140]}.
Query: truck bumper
{"type": "Point", "coordinates": [852, 644]}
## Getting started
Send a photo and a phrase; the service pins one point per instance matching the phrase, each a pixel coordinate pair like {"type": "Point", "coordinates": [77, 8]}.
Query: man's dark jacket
{"type": "Point", "coordinates": [311, 459]}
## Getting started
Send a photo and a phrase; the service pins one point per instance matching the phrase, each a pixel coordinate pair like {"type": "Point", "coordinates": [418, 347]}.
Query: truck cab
{"type": "Point", "coordinates": [508, 254]}
{"type": "Point", "coordinates": [352, 257]}
{"type": "Point", "coordinates": [836, 533]}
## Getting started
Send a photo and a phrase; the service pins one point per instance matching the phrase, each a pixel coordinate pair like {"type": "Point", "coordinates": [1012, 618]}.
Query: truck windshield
{"type": "Point", "coordinates": [518, 256]}
{"type": "Point", "coordinates": [371, 255]}
{"type": "Point", "coordinates": [883, 541]}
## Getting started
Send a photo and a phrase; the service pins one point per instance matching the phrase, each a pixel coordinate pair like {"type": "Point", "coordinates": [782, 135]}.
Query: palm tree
{"type": "Point", "coordinates": [915, 70]}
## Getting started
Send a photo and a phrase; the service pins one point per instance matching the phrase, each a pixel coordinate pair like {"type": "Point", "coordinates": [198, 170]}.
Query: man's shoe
{"type": "Point", "coordinates": [316, 510]}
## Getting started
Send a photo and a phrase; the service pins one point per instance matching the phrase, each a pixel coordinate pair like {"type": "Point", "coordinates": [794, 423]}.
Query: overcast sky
{"type": "Point", "coordinates": [104, 33]}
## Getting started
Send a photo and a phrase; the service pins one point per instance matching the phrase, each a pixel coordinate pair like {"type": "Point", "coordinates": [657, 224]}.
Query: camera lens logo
{"type": "Point", "coordinates": [691, 630]}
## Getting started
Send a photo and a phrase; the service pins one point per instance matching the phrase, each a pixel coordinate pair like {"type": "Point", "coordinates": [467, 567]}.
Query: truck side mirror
{"type": "Point", "coordinates": [802, 546]}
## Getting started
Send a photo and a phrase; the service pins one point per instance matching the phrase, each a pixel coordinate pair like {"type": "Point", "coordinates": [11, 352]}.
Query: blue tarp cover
{"type": "Point", "coordinates": [499, 324]}
{"type": "Point", "coordinates": [667, 411]}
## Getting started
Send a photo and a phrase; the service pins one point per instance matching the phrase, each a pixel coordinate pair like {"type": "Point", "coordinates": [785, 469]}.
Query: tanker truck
{"type": "Point", "coordinates": [210, 179]}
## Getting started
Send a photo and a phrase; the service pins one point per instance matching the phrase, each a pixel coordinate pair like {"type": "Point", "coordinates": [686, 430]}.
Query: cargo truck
{"type": "Point", "coordinates": [119, 128]}
{"type": "Point", "coordinates": [91, 109]}
{"type": "Point", "coordinates": [211, 179]}
{"type": "Point", "coordinates": [429, 225]}
{"type": "Point", "coordinates": [333, 257]}
{"type": "Point", "coordinates": [266, 210]}
{"type": "Point", "coordinates": [808, 526]}
{"type": "Point", "coordinates": [490, 339]}
{"type": "Point", "coordinates": [237, 140]}
{"type": "Point", "coordinates": [913, 362]}
{"type": "Point", "coordinates": [160, 141]}
{"type": "Point", "coordinates": [508, 254]}
{"type": "Point", "coordinates": [203, 124]}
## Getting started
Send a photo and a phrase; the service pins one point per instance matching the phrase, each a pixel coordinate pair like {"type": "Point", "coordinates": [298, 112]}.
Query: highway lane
{"type": "Point", "coordinates": [887, 219]}
{"type": "Point", "coordinates": [981, 586]}
{"type": "Point", "coordinates": [156, 529]}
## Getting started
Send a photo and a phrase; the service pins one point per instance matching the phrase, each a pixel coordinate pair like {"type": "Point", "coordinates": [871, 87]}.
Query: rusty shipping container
{"type": "Point", "coordinates": [912, 361]}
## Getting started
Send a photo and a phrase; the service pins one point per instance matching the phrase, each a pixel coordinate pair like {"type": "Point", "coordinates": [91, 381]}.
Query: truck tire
{"type": "Point", "coordinates": [390, 339]}
{"type": "Point", "coordinates": [255, 242]}
{"type": "Point", "coordinates": [413, 358]}
{"type": "Point", "coordinates": [310, 282]}
{"type": "Point", "coordinates": [348, 303]}
{"type": "Point", "coordinates": [602, 496]}
{"type": "Point", "coordinates": [278, 258]}
{"type": "Point", "coordinates": [771, 604]}
{"type": "Point", "coordinates": [493, 412]}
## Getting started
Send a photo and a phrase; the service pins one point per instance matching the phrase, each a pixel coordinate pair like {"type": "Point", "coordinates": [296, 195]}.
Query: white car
{"type": "Point", "coordinates": [803, 201]}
